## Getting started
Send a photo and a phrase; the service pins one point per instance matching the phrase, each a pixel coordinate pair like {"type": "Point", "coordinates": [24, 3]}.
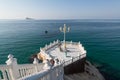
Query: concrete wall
{"type": "Point", "coordinates": [75, 67]}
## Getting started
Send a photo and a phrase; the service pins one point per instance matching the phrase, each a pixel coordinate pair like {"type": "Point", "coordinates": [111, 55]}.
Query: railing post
{"type": "Point", "coordinates": [47, 65]}
{"type": "Point", "coordinates": [79, 55]}
{"type": "Point", "coordinates": [56, 62]}
{"type": "Point", "coordinates": [71, 59]}
{"type": "Point", "coordinates": [12, 62]}
{"type": "Point", "coordinates": [50, 44]}
{"type": "Point", "coordinates": [40, 48]}
{"type": "Point", "coordinates": [57, 41]}
{"type": "Point", "coordinates": [79, 43]}
{"type": "Point", "coordinates": [62, 62]}
{"type": "Point", "coordinates": [36, 64]}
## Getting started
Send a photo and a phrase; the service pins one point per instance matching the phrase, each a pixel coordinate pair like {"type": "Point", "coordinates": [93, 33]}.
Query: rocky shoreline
{"type": "Point", "coordinates": [90, 73]}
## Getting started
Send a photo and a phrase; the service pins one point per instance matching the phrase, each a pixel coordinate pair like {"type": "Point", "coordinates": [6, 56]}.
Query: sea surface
{"type": "Point", "coordinates": [101, 39]}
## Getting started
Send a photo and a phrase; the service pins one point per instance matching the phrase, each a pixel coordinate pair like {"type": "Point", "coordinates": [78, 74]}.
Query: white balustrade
{"type": "Point", "coordinates": [4, 72]}
{"type": "Point", "coordinates": [74, 59]}
{"type": "Point", "coordinates": [52, 45]}
{"type": "Point", "coordinates": [13, 71]}
{"type": "Point", "coordinates": [42, 71]}
{"type": "Point", "coordinates": [55, 73]}
{"type": "Point", "coordinates": [26, 69]}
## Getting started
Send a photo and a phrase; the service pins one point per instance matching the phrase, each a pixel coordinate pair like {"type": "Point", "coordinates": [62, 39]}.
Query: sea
{"type": "Point", "coordinates": [101, 39]}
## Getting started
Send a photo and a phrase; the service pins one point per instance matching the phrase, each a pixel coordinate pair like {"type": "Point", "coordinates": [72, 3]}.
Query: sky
{"type": "Point", "coordinates": [60, 9]}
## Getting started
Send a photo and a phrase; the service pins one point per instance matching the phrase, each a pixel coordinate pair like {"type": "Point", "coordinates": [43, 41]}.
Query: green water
{"type": "Point", "coordinates": [101, 40]}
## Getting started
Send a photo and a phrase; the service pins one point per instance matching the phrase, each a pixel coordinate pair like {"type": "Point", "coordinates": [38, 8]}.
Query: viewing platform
{"type": "Point", "coordinates": [73, 49]}
{"type": "Point", "coordinates": [74, 54]}
{"type": "Point", "coordinates": [56, 50]}
{"type": "Point", "coordinates": [45, 71]}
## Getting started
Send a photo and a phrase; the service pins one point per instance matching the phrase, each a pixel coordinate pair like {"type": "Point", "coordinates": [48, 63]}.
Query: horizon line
{"type": "Point", "coordinates": [68, 19]}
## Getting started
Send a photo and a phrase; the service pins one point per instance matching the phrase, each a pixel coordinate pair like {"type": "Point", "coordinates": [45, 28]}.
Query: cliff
{"type": "Point", "coordinates": [90, 73]}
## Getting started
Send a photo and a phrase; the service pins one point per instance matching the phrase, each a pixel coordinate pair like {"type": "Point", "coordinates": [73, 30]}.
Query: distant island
{"type": "Point", "coordinates": [27, 18]}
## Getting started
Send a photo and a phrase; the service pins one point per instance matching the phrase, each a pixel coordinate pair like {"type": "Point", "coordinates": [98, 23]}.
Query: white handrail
{"type": "Point", "coordinates": [28, 71]}
{"type": "Point", "coordinates": [74, 59]}
{"type": "Point", "coordinates": [4, 72]}
{"type": "Point", "coordinates": [55, 73]}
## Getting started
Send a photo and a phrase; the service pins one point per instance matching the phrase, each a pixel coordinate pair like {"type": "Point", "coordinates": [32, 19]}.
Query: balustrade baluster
{"type": "Point", "coordinates": [8, 74]}
{"type": "Point", "coordinates": [4, 75]}
{"type": "Point", "coordinates": [21, 72]}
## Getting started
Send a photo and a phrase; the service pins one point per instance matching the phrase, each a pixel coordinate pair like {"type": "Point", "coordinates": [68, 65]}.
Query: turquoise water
{"type": "Point", "coordinates": [101, 39]}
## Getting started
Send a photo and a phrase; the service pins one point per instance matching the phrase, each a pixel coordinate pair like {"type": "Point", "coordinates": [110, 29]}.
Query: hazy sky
{"type": "Point", "coordinates": [60, 9]}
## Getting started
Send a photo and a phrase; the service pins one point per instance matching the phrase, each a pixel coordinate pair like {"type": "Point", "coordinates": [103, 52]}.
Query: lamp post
{"type": "Point", "coordinates": [65, 29]}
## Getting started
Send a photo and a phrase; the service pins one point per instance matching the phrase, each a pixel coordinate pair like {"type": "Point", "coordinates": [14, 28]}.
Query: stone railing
{"type": "Point", "coordinates": [80, 56]}
{"type": "Point", "coordinates": [54, 73]}
{"type": "Point", "coordinates": [65, 63]}
{"type": "Point", "coordinates": [57, 43]}
{"type": "Point", "coordinates": [51, 45]}
{"type": "Point", "coordinates": [4, 72]}
{"type": "Point", "coordinates": [41, 71]}
{"type": "Point", "coordinates": [71, 42]}
{"type": "Point", "coordinates": [35, 71]}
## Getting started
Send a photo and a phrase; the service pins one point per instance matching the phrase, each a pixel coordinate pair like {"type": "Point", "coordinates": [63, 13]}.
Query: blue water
{"type": "Point", "coordinates": [100, 38]}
